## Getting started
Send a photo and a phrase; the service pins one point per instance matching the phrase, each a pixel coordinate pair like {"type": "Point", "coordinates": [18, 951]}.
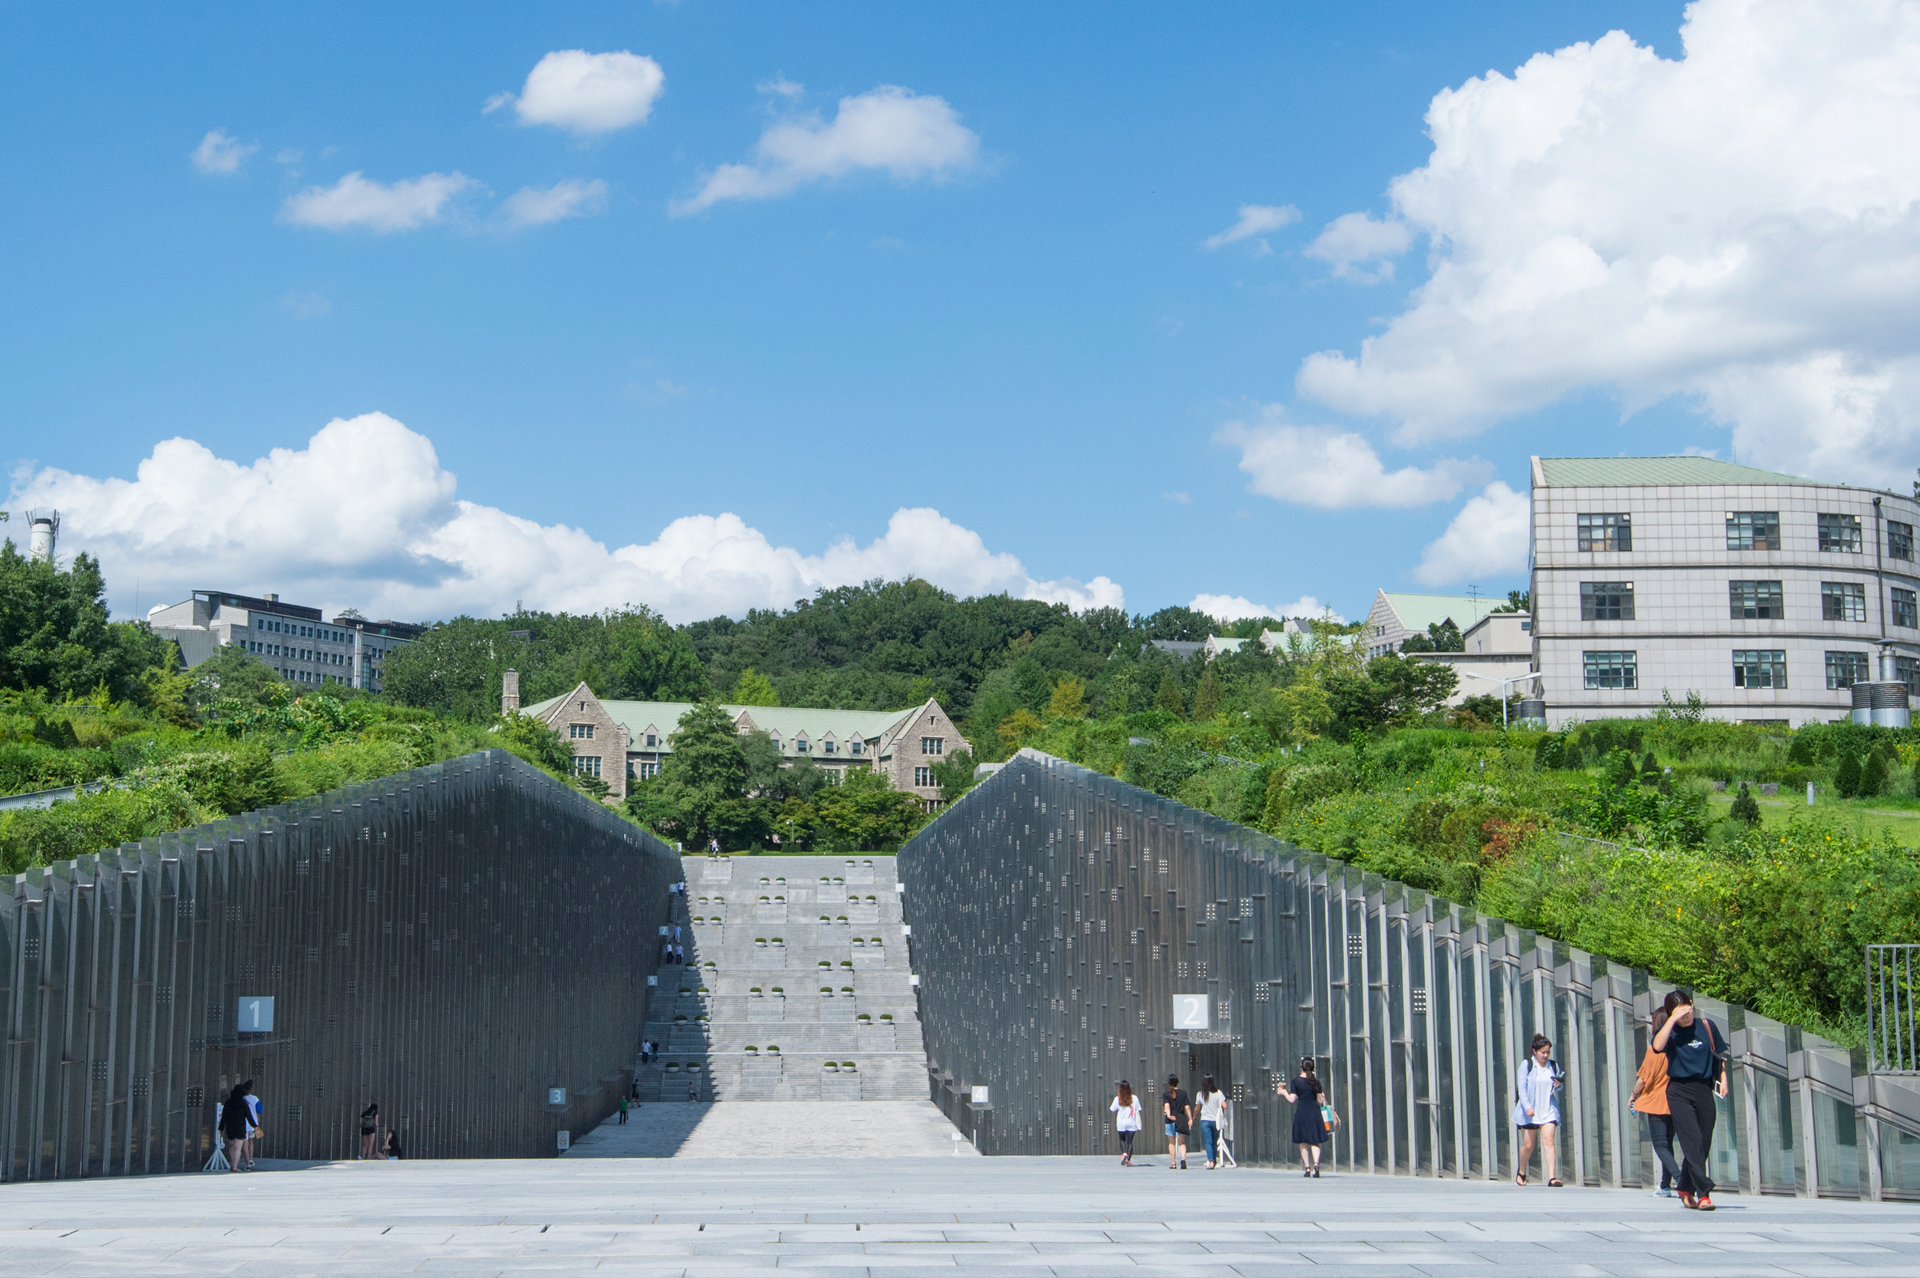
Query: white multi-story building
{"type": "Point", "coordinates": [295, 641]}
{"type": "Point", "coordinates": [1767, 594]}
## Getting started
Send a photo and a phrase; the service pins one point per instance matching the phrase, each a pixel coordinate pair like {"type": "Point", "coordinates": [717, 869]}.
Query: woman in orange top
{"type": "Point", "coordinates": [1650, 1098]}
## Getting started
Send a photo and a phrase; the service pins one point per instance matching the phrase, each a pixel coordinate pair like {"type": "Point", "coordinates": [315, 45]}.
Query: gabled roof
{"type": "Point", "coordinates": [788, 723]}
{"type": "Point", "coordinates": [1417, 612]}
{"type": "Point", "coordinates": [1650, 472]}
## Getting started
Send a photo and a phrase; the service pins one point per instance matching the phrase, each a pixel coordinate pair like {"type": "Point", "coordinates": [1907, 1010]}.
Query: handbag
{"type": "Point", "coordinates": [1330, 1117]}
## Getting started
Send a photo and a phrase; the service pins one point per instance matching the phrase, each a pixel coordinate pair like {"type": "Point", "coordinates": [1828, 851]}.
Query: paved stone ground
{"type": "Point", "coordinates": [832, 1217]}
{"type": "Point", "coordinates": [777, 1129]}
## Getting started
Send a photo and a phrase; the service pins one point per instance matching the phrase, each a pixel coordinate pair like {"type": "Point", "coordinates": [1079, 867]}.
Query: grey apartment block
{"type": "Point", "coordinates": [1767, 594]}
{"type": "Point", "coordinates": [297, 642]}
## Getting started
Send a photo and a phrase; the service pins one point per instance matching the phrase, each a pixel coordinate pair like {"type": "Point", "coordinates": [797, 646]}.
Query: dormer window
{"type": "Point", "coordinates": [775, 738]}
{"type": "Point", "coordinates": [826, 747]}
{"type": "Point", "coordinates": [858, 747]}
{"type": "Point", "coordinates": [801, 745]}
{"type": "Point", "coordinates": [653, 742]}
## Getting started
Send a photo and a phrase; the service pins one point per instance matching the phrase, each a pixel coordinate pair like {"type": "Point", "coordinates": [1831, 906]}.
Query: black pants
{"type": "Point", "coordinates": [1661, 1127]}
{"type": "Point", "coordinates": [1126, 1142]}
{"type": "Point", "coordinates": [1691, 1100]}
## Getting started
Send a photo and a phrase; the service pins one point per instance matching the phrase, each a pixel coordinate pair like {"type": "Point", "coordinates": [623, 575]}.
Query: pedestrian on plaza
{"type": "Point", "coordinates": [253, 1123]}
{"type": "Point", "coordinates": [1309, 1116]}
{"type": "Point", "coordinates": [392, 1149]}
{"type": "Point", "coordinates": [1126, 1120]}
{"type": "Point", "coordinates": [713, 847]}
{"type": "Point", "coordinates": [369, 1127]}
{"type": "Point", "coordinates": [1650, 1098]}
{"type": "Point", "coordinates": [235, 1122]}
{"type": "Point", "coordinates": [623, 1109]}
{"type": "Point", "coordinates": [1696, 1073]}
{"type": "Point", "coordinates": [646, 1055]}
{"type": "Point", "coordinates": [680, 955]}
{"type": "Point", "coordinates": [693, 1089]}
{"type": "Point", "coordinates": [1536, 1111]}
{"type": "Point", "coordinates": [1177, 1107]}
{"type": "Point", "coordinates": [676, 933]}
{"type": "Point", "coordinates": [1213, 1116]}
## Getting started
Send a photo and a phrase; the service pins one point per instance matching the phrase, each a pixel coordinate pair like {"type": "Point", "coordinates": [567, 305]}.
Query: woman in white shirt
{"type": "Point", "coordinates": [1213, 1116]}
{"type": "Point", "coordinates": [1536, 1110]}
{"type": "Point", "coordinates": [1126, 1120]}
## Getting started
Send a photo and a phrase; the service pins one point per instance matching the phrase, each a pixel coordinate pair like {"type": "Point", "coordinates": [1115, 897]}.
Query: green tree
{"type": "Point", "coordinates": [1207, 697]}
{"type": "Point", "coordinates": [1019, 728]}
{"type": "Point", "coordinates": [954, 773]}
{"type": "Point", "coordinates": [1745, 807]}
{"type": "Point", "coordinates": [55, 636]}
{"type": "Point", "coordinates": [864, 813]}
{"type": "Point", "coordinates": [535, 742]}
{"type": "Point", "coordinates": [1170, 697]}
{"type": "Point", "coordinates": [1068, 699]}
{"type": "Point", "coordinates": [234, 682]}
{"type": "Point", "coordinates": [706, 771]}
{"type": "Point", "coordinates": [1873, 777]}
{"type": "Point", "coordinates": [1846, 777]}
{"type": "Point", "coordinates": [754, 689]}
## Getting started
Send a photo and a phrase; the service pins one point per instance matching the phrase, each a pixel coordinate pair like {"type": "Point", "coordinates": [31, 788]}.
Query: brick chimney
{"type": "Point", "coordinates": [509, 692]}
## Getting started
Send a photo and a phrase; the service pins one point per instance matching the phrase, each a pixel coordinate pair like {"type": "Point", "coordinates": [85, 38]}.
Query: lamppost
{"type": "Point", "coordinates": [1531, 674]}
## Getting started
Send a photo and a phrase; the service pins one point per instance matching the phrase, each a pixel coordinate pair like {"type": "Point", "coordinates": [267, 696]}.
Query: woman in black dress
{"type": "Point", "coordinates": [1309, 1124]}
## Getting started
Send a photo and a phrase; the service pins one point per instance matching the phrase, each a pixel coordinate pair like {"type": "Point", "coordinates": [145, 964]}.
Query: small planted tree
{"type": "Point", "coordinates": [1846, 777]}
{"type": "Point", "coordinates": [1745, 807]}
{"type": "Point", "coordinates": [1873, 777]}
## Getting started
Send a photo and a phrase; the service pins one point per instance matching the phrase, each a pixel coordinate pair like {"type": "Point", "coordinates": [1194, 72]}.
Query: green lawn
{"type": "Point", "coordinates": [1868, 817]}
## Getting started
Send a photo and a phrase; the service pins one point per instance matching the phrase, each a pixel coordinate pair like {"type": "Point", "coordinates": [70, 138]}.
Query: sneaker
{"type": "Point", "coordinates": [1663, 1192]}
{"type": "Point", "coordinates": [1183, 1164]}
{"type": "Point", "coordinates": [1704, 1202]}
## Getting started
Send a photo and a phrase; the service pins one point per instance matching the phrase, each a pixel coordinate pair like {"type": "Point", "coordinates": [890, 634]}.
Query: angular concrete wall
{"type": "Point", "coordinates": [452, 942]}
{"type": "Point", "coordinates": [1057, 914]}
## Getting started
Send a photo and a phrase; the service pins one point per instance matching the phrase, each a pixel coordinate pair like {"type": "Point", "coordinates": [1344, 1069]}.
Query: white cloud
{"type": "Point", "coordinates": [365, 515]}
{"type": "Point", "coordinates": [890, 128]}
{"type": "Point", "coordinates": [1741, 225]}
{"type": "Point", "coordinates": [1353, 240]}
{"type": "Point", "coordinates": [1255, 219]}
{"type": "Point", "coordinates": [586, 93]}
{"type": "Point", "coordinates": [1488, 538]}
{"type": "Point", "coordinates": [354, 201]}
{"type": "Point", "coordinates": [219, 155]}
{"type": "Point", "coordinates": [780, 86]}
{"type": "Point", "coordinates": [1238, 608]}
{"type": "Point", "coordinates": [530, 206]}
{"type": "Point", "coordinates": [1334, 469]}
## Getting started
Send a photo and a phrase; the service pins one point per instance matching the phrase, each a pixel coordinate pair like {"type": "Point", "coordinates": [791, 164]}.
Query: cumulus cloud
{"type": "Point", "coordinates": [1740, 225]}
{"type": "Point", "coordinates": [365, 515]}
{"type": "Point", "coordinates": [1255, 219]}
{"type": "Point", "coordinates": [219, 155]}
{"type": "Point", "coordinates": [586, 93]}
{"type": "Point", "coordinates": [530, 206]}
{"type": "Point", "coordinates": [1361, 248]}
{"type": "Point", "coordinates": [1487, 538]}
{"type": "Point", "coordinates": [1334, 469]}
{"type": "Point", "coordinates": [1239, 608]}
{"type": "Point", "coordinates": [904, 133]}
{"type": "Point", "coordinates": [355, 201]}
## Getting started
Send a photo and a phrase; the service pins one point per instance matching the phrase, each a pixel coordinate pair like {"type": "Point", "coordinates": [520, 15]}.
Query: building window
{"type": "Point", "coordinates": [801, 745]}
{"type": "Point", "coordinates": [931, 745]}
{"type": "Point", "coordinates": [1906, 608]}
{"type": "Point", "coordinates": [857, 747]}
{"type": "Point", "coordinates": [1840, 532]}
{"type": "Point", "coordinates": [826, 747]}
{"type": "Point", "coordinates": [923, 776]}
{"type": "Point", "coordinates": [1756, 601]}
{"type": "Point", "coordinates": [1753, 530]}
{"type": "Point", "coordinates": [1760, 668]}
{"type": "Point", "coordinates": [1907, 671]}
{"type": "Point", "coordinates": [1899, 540]}
{"type": "Point", "coordinates": [1843, 601]}
{"type": "Point", "coordinates": [581, 731]}
{"type": "Point", "coordinates": [586, 765]}
{"type": "Point", "coordinates": [1606, 532]}
{"type": "Point", "coordinates": [1844, 669]}
{"type": "Point", "coordinates": [653, 741]}
{"type": "Point", "coordinates": [643, 769]}
{"type": "Point", "coordinates": [1606, 601]}
{"type": "Point", "coordinates": [1612, 669]}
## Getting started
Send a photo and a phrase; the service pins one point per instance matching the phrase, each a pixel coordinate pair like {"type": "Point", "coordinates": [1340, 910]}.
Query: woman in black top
{"type": "Point", "coordinates": [393, 1146]}
{"type": "Point", "coordinates": [1309, 1122]}
{"type": "Point", "coordinates": [235, 1120]}
{"type": "Point", "coordinates": [1696, 1072]}
{"type": "Point", "coordinates": [369, 1127]}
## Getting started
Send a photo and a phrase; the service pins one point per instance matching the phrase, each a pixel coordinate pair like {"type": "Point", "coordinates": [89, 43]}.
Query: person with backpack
{"type": "Point", "coordinates": [1126, 1120]}
{"type": "Point", "coordinates": [1536, 1110]}
{"type": "Point", "coordinates": [1650, 1098]}
{"type": "Point", "coordinates": [1696, 1073]}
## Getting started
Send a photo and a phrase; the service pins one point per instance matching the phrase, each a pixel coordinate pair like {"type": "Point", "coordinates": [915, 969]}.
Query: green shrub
{"type": "Point", "coordinates": [1846, 777]}
{"type": "Point", "coordinates": [1745, 807]}
{"type": "Point", "coordinates": [93, 822]}
{"type": "Point", "coordinates": [1873, 777]}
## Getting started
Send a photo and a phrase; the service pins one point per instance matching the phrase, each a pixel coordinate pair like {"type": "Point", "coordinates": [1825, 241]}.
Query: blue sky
{"type": "Point", "coordinates": [1020, 328]}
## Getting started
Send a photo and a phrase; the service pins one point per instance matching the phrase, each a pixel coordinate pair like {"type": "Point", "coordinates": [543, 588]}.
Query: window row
{"type": "Point", "coordinates": [270, 625]}
{"type": "Point", "coordinates": [1752, 530]}
{"type": "Point", "coordinates": [924, 776]}
{"type": "Point", "coordinates": [1759, 601]}
{"type": "Point", "coordinates": [1752, 668]}
{"type": "Point", "coordinates": [298, 654]}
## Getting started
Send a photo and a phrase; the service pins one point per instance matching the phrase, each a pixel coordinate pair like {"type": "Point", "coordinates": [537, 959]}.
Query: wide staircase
{"type": "Point", "coordinates": [796, 986]}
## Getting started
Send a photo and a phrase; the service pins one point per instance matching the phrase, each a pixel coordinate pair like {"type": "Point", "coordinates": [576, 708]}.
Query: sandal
{"type": "Point", "coordinates": [1520, 1178]}
{"type": "Point", "coordinates": [1556, 1183]}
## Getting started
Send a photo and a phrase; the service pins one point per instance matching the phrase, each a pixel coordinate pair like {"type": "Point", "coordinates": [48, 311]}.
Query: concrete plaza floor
{"type": "Point", "coordinates": [776, 1129]}
{"type": "Point", "coordinates": [827, 1217]}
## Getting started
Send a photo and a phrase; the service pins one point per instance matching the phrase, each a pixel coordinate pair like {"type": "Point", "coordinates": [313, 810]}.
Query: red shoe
{"type": "Point", "coordinates": [1687, 1200]}
{"type": "Point", "coordinates": [1705, 1202]}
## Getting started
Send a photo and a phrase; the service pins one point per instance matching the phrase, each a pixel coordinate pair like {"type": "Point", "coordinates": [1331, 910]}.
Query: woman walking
{"type": "Point", "coordinates": [1696, 1073]}
{"type": "Point", "coordinates": [1213, 1116]}
{"type": "Point", "coordinates": [1309, 1119]}
{"type": "Point", "coordinates": [369, 1127]}
{"type": "Point", "coordinates": [236, 1120]}
{"type": "Point", "coordinates": [1650, 1098]}
{"type": "Point", "coordinates": [1126, 1120]}
{"type": "Point", "coordinates": [1536, 1111]}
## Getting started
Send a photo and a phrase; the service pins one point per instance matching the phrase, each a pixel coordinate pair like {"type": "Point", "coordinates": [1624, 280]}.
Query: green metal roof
{"type": "Point", "coordinates": [1417, 612]}
{"type": "Point", "coordinates": [1652, 472]}
{"type": "Point", "coordinates": [788, 723]}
